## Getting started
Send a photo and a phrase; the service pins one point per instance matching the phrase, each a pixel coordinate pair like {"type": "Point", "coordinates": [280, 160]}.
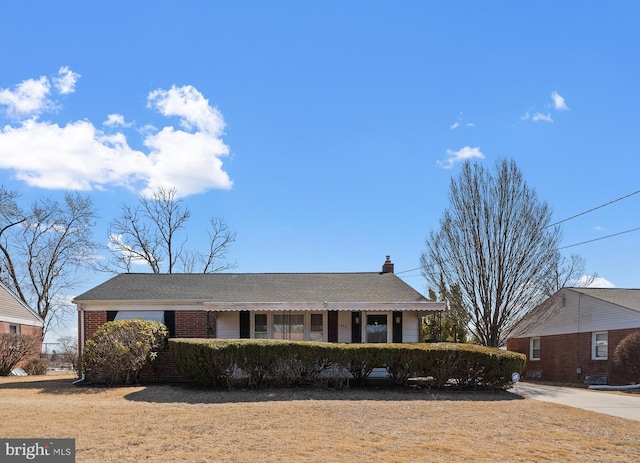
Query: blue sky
{"type": "Point", "coordinates": [326, 133]}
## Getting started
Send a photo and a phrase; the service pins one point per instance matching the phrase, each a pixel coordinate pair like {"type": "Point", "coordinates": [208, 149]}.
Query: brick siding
{"type": "Point", "coordinates": [562, 355]}
{"type": "Point", "coordinates": [191, 324]}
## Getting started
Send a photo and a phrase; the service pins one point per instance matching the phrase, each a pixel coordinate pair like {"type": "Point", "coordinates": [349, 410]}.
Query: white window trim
{"type": "Point", "coordinates": [531, 340]}
{"type": "Point", "coordinates": [364, 320]}
{"type": "Point", "coordinates": [307, 324]}
{"type": "Point", "coordinates": [269, 324]}
{"type": "Point", "coordinates": [594, 336]}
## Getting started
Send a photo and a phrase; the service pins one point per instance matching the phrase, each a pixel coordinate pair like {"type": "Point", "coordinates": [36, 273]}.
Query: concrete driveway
{"type": "Point", "coordinates": [617, 404]}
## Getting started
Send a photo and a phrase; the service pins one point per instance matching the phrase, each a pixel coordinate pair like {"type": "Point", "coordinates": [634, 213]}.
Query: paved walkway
{"type": "Point", "coordinates": [616, 404]}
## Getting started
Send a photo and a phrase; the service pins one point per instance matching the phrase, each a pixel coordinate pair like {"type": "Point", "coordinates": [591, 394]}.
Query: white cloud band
{"type": "Point", "coordinates": [80, 156]}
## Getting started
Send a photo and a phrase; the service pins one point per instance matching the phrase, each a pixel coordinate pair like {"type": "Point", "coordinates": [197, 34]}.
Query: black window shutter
{"type": "Point", "coordinates": [332, 326]}
{"type": "Point", "coordinates": [111, 315]}
{"type": "Point", "coordinates": [245, 324]}
{"type": "Point", "coordinates": [170, 322]}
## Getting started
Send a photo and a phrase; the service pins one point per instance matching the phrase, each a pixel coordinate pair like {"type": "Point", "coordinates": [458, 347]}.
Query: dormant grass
{"type": "Point", "coordinates": [179, 424]}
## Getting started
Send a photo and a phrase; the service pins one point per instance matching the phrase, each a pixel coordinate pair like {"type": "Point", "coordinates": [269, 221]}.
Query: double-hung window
{"type": "Point", "coordinates": [260, 326]}
{"type": "Point", "coordinates": [600, 345]}
{"type": "Point", "coordinates": [316, 328]}
{"type": "Point", "coordinates": [534, 349]}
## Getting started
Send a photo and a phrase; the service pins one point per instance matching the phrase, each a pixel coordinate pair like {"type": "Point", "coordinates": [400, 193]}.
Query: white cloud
{"type": "Point", "coordinates": [30, 97]}
{"type": "Point", "coordinates": [460, 123]}
{"type": "Point", "coordinates": [79, 156]}
{"type": "Point", "coordinates": [190, 105]}
{"type": "Point", "coordinates": [542, 117]}
{"type": "Point", "coordinates": [594, 282]}
{"type": "Point", "coordinates": [65, 83]}
{"type": "Point", "coordinates": [462, 154]}
{"type": "Point", "coordinates": [116, 245]}
{"type": "Point", "coordinates": [116, 120]}
{"type": "Point", "coordinates": [558, 102]}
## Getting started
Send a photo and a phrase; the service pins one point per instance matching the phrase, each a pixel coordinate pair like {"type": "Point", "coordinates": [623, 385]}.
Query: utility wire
{"type": "Point", "coordinates": [563, 247]}
{"type": "Point", "coordinates": [601, 238]}
{"type": "Point", "coordinates": [571, 218]}
{"type": "Point", "coordinates": [593, 209]}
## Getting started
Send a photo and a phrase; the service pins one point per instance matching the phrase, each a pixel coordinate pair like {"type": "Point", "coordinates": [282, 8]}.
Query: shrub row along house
{"type": "Point", "coordinates": [572, 336]}
{"type": "Point", "coordinates": [327, 307]}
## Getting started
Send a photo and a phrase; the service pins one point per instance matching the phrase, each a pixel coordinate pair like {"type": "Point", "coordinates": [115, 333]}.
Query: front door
{"type": "Point", "coordinates": [377, 328]}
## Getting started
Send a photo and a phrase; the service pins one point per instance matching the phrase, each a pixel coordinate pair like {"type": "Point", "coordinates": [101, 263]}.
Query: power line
{"type": "Point", "coordinates": [594, 209]}
{"type": "Point", "coordinates": [571, 218]}
{"type": "Point", "coordinates": [562, 247]}
{"type": "Point", "coordinates": [601, 238]}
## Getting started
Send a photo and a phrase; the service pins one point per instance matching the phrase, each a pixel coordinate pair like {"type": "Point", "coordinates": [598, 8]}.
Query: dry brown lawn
{"type": "Point", "coordinates": [174, 424]}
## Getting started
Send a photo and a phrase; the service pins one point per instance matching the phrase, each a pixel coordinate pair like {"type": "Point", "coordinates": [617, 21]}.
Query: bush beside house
{"type": "Point", "coordinates": [627, 355]}
{"type": "Point", "coordinates": [119, 350]}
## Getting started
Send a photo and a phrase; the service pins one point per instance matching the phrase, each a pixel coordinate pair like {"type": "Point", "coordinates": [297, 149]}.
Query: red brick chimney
{"type": "Point", "coordinates": [387, 267]}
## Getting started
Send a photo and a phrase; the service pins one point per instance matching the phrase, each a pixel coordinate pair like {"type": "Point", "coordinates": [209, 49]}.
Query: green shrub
{"type": "Point", "coordinates": [627, 353]}
{"type": "Point", "coordinates": [254, 363]}
{"type": "Point", "coordinates": [119, 349]}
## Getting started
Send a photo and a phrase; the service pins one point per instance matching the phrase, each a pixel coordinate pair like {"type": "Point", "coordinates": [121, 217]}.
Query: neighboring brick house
{"type": "Point", "coordinates": [571, 336]}
{"type": "Point", "coordinates": [17, 317]}
{"type": "Point", "coordinates": [330, 307]}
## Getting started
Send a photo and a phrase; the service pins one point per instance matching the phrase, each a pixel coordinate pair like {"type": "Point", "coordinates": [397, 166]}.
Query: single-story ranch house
{"type": "Point", "coordinates": [329, 307]}
{"type": "Point", "coordinates": [571, 336]}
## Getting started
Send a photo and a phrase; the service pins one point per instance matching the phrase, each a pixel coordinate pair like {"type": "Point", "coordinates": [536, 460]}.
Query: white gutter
{"type": "Point", "coordinates": [77, 381]}
{"type": "Point", "coordinates": [81, 311]}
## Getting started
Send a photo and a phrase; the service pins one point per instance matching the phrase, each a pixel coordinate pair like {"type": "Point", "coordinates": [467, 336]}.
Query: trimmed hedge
{"type": "Point", "coordinates": [254, 363]}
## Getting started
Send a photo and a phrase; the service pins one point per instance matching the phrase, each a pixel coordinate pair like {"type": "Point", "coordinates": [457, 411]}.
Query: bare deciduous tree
{"type": "Point", "coordinates": [153, 233]}
{"type": "Point", "coordinates": [570, 271]}
{"type": "Point", "coordinates": [42, 249]}
{"type": "Point", "coordinates": [496, 245]}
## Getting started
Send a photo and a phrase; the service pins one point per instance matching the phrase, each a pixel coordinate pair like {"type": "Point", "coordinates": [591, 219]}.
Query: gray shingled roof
{"type": "Point", "coordinates": [629, 298]}
{"type": "Point", "coordinates": [255, 287]}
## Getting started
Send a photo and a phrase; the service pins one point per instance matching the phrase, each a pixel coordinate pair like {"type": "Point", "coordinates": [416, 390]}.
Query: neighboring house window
{"type": "Point", "coordinates": [600, 346]}
{"type": "Point", "coordinates": [14, 329]}
{"type": "Point", "coordinates": [534, 349]}
{"type": "Point", "coordinates": [260, 326]}
{"type": "Point", "coordinates": [317, 327]}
